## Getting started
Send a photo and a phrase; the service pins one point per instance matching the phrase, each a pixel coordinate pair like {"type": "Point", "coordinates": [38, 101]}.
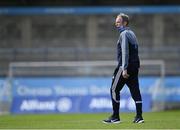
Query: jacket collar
{"type": "Point", "coordinates": [122, 28]}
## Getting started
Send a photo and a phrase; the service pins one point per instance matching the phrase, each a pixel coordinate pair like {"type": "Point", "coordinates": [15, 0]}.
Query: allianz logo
{"type": "Point", "coordinates": [28, 105]}
{"type": "Point", "coordinates": [105, 103]}
{"type": "Point", "coordinates": [62, 105]}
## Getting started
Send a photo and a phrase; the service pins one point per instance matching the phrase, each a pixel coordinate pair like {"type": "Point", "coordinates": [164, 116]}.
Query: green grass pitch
{"type": "Point", "coordinates": [153, 120]}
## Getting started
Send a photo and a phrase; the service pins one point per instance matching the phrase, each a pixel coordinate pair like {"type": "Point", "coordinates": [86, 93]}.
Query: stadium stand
{"type": "Point", "coordinates": [86, 37]}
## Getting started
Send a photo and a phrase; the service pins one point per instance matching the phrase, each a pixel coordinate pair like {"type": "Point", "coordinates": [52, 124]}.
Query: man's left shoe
{"type": "Point", "coordinates": [138, 119]}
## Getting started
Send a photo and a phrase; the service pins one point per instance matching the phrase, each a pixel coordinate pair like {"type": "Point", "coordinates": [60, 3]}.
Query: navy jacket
{"type": "Point", "coordinates": [127, 49]}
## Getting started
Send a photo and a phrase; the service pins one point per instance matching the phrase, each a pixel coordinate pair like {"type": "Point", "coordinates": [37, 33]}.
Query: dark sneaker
{"type": "Point", "coordinates": [138, 119]}
{"type": "Point", "coordinates": [112, 120]}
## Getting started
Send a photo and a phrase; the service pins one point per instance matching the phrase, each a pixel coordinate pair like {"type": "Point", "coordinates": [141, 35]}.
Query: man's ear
{"type": "Point", "coordinates": [124, 23]}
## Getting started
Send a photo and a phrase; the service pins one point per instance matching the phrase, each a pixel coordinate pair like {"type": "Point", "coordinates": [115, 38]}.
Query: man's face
{"type": "Point", "coordinates": [119, 21]}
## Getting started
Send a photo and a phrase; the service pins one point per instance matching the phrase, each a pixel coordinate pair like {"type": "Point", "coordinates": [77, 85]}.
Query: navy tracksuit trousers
{"type": "Point", "coordinates": [133, 84]}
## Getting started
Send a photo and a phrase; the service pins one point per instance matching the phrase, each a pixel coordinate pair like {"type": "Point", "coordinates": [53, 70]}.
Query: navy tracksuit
{"type": "Point", "coordinates": [128, 59]}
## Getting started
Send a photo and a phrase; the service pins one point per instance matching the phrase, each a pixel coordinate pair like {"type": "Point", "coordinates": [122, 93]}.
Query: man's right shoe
{"type": "Point", "coordinates": [112, 120]}
{"type": "Point", "coordinates": [138, 119]}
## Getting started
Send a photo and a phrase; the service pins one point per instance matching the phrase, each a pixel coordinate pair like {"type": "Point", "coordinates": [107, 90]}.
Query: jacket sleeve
{"type": "Point", "coordinates": [125, 51]}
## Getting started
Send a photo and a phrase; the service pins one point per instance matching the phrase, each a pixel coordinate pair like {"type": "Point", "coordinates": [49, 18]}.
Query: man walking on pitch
{"type": "Point", "coordinates": [127, 70]}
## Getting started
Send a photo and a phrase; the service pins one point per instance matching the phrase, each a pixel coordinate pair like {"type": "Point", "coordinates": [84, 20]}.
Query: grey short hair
{"type": "Point", "coordinates": [124, 17]}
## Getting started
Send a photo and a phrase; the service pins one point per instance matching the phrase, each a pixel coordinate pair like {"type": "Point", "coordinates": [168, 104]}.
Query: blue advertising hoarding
{"type": "Point", "coordinates": [90, 94]}
{"type": "Point", "coordinates": [88, 10]}
{"type": "Point", "coordinates": [69, 95]}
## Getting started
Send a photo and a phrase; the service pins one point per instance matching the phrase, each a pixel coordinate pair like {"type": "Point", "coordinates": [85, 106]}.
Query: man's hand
{"type": "Point", "coordinates": [125, 74]}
